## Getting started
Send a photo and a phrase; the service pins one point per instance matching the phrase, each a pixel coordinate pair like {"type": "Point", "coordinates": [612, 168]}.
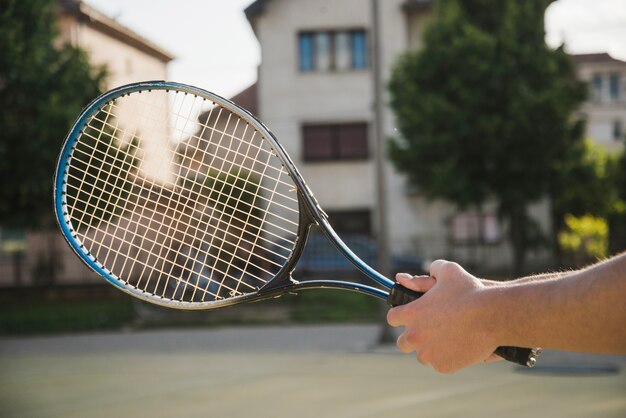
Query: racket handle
{"type": "Point", "coordinates": [400, 295]}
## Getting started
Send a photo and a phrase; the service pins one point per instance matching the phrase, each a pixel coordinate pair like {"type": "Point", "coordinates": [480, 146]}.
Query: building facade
{"type": "Point", "coordinates": [605, 110]}
{"type": "Point", "coordinates": [128, 57]}
{"type": "Point", "coordinates": [316, 92]}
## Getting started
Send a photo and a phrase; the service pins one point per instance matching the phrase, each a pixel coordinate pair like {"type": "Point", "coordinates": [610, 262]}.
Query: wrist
{"type": "Point", "coordinates": [512, 323]}
{"type": "Point", "coordinates": [501, 326]}
{"type": "Point", "coordinates": [505, 316]}
{"type": "Point", "coordinates": [489, 308]}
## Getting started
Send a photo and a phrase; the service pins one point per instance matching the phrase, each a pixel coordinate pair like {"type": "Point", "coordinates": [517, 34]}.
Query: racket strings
{"type": "Point", "coordinates": [211, 243]}
{"type": "Point", "coordinates": [84, 175]}
{"type": "Point", "coordinates": [93, 206]}
{"type": "Point", "coordinates": [178, 212]}
{"type": "Point", "coordinates": [149, 228]}
{"type": "Point", "coordinates": [202, 225]}
{"type": "Point", "coordinates": [252, 171]}
{"type": "Point", "coordinates": [219, 221]}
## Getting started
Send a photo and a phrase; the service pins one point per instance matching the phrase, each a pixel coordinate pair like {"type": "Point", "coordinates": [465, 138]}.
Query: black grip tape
{"type": "Point", "coordinates": [400, 295]}
{"type": "Point", "coordinates": [518, 355]}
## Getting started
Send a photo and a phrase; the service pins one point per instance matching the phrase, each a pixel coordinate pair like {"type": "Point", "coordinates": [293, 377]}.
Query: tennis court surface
{"type": "Point", "coordinates": [303, 371]}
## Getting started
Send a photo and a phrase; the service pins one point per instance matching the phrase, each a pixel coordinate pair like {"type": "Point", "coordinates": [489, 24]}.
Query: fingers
{"type": "Point", "coordinates": [404, 343]}
{"type": "Point", "coordinates": [442, 269]}
{"type": "Point", "coordinates": [418, 283]}
{"type": "Point", "coordinates": [397, 317]}
{"type": "Point", "coordinates": [436, 327]}
{"type": "Point", "coordinates": [408, 342]}
{"type": "Point", "coordinates": [439, 270]}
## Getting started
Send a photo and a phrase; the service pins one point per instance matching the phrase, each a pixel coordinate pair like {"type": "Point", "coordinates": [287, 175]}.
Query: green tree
{"type": "Point", "coordinates": [616, 218]}
{"type": "Point", "coordinates": [484, 110]}
{"type": "Point", "coordinates": [42, 89]}
{"type": "Point", "coordinates": [618, 176]}
{"type": "Point", "coordinates": [584, 239]}
{"type": "Point", "coordinates": [584, 187]}
{"type": "Point", "coordinates": [94, 190]}
{"type": "Point", "coordinates": [585, 184]}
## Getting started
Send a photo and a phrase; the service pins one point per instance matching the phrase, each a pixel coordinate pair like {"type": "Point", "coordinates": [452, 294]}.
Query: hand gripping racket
{"type": "Point", "coordinates": [182, 198]}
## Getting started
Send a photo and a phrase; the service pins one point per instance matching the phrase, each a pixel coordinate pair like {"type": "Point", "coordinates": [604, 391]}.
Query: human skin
{"type": "Point", "coordinates": [461, 319]}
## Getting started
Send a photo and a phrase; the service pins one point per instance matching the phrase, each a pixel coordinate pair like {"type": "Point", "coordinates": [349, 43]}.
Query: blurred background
{"type": "Point", "coordinates": [486, 132]}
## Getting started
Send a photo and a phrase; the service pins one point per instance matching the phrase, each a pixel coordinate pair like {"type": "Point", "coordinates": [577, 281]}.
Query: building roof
{"type": "Point", "coordinates": [111, 27]}
{"type": "Point", "coordinates": [601, 57]}
{"type": "Point", "coordinates": [255, 8]}
{"type": "Point", "coordinates": [258, 6]}
{"type": "Point", "coordinates": [247, 99]}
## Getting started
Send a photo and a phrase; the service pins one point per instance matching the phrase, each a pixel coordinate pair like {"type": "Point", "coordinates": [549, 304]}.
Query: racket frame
{"type": "Point", "coordinates": [310, 213]}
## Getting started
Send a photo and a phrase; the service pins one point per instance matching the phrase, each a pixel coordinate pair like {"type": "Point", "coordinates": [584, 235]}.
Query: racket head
{"type": "Point", "coordinates": [180, 197]}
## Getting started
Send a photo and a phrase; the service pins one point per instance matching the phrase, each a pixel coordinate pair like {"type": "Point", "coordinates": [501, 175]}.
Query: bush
{"type": "Point", "coordinates": [585, 238]}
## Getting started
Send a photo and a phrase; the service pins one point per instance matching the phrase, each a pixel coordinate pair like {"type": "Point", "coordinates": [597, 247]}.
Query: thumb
{"type": "Point", "coordinates": [418, 283]}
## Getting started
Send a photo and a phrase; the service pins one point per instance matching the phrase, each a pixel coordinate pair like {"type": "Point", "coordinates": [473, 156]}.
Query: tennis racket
{"type": "Point", "coordinates": [181, 198]}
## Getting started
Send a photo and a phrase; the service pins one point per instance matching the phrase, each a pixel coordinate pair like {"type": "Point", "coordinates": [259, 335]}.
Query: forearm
{"type": "Point", "coordinates": [579, 311]}
{"type": "Point", "coordinates": [529, 279]}
{"type": "Point", "coordinates": [542, 277]}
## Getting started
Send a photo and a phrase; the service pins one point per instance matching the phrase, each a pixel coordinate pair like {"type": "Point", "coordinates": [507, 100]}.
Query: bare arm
{"type": "Point", "coordinates": [528, 279]}
{"type": "Point", "coordinates": [583, 311]}
{"type": "Point", "coordinates": [461, 319]}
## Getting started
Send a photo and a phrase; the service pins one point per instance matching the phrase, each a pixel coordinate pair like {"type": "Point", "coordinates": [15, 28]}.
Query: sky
{"type": "Point", "coordinates": [215, 47]}
{"type": "Point", "coordinates": [212, 41]}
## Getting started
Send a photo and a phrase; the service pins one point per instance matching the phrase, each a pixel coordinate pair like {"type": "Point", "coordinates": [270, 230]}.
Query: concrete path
{"type": "Point", "coordinates": [313, 371]}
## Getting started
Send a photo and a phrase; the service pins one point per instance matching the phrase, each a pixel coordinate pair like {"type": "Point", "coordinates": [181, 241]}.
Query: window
{"type": "Point", "coordinates": [596, 87]}
{"type": "Point", "coordinates": [329, 142]}
{"type": "Point", "coordinates": [617, 130]}
{"type": "Point", "coordinates": [332, 50]}
{"type": "Point", "coordinates": [614, 87]}
{"type": "Point", "coordinates": [351, 221]}
{"type": "Point", "coordinates": [605, 87]}
{"type": "Point", "coordinates": [343, 57]}
{"type": "Point", "coordinates": [472, 228]}
{"type": "Point", "coordinates": [305, 44]}
{"type": "Point", "coordinates": [359, 50]}
{"type": "Point", "coordinates": [322, 50]}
